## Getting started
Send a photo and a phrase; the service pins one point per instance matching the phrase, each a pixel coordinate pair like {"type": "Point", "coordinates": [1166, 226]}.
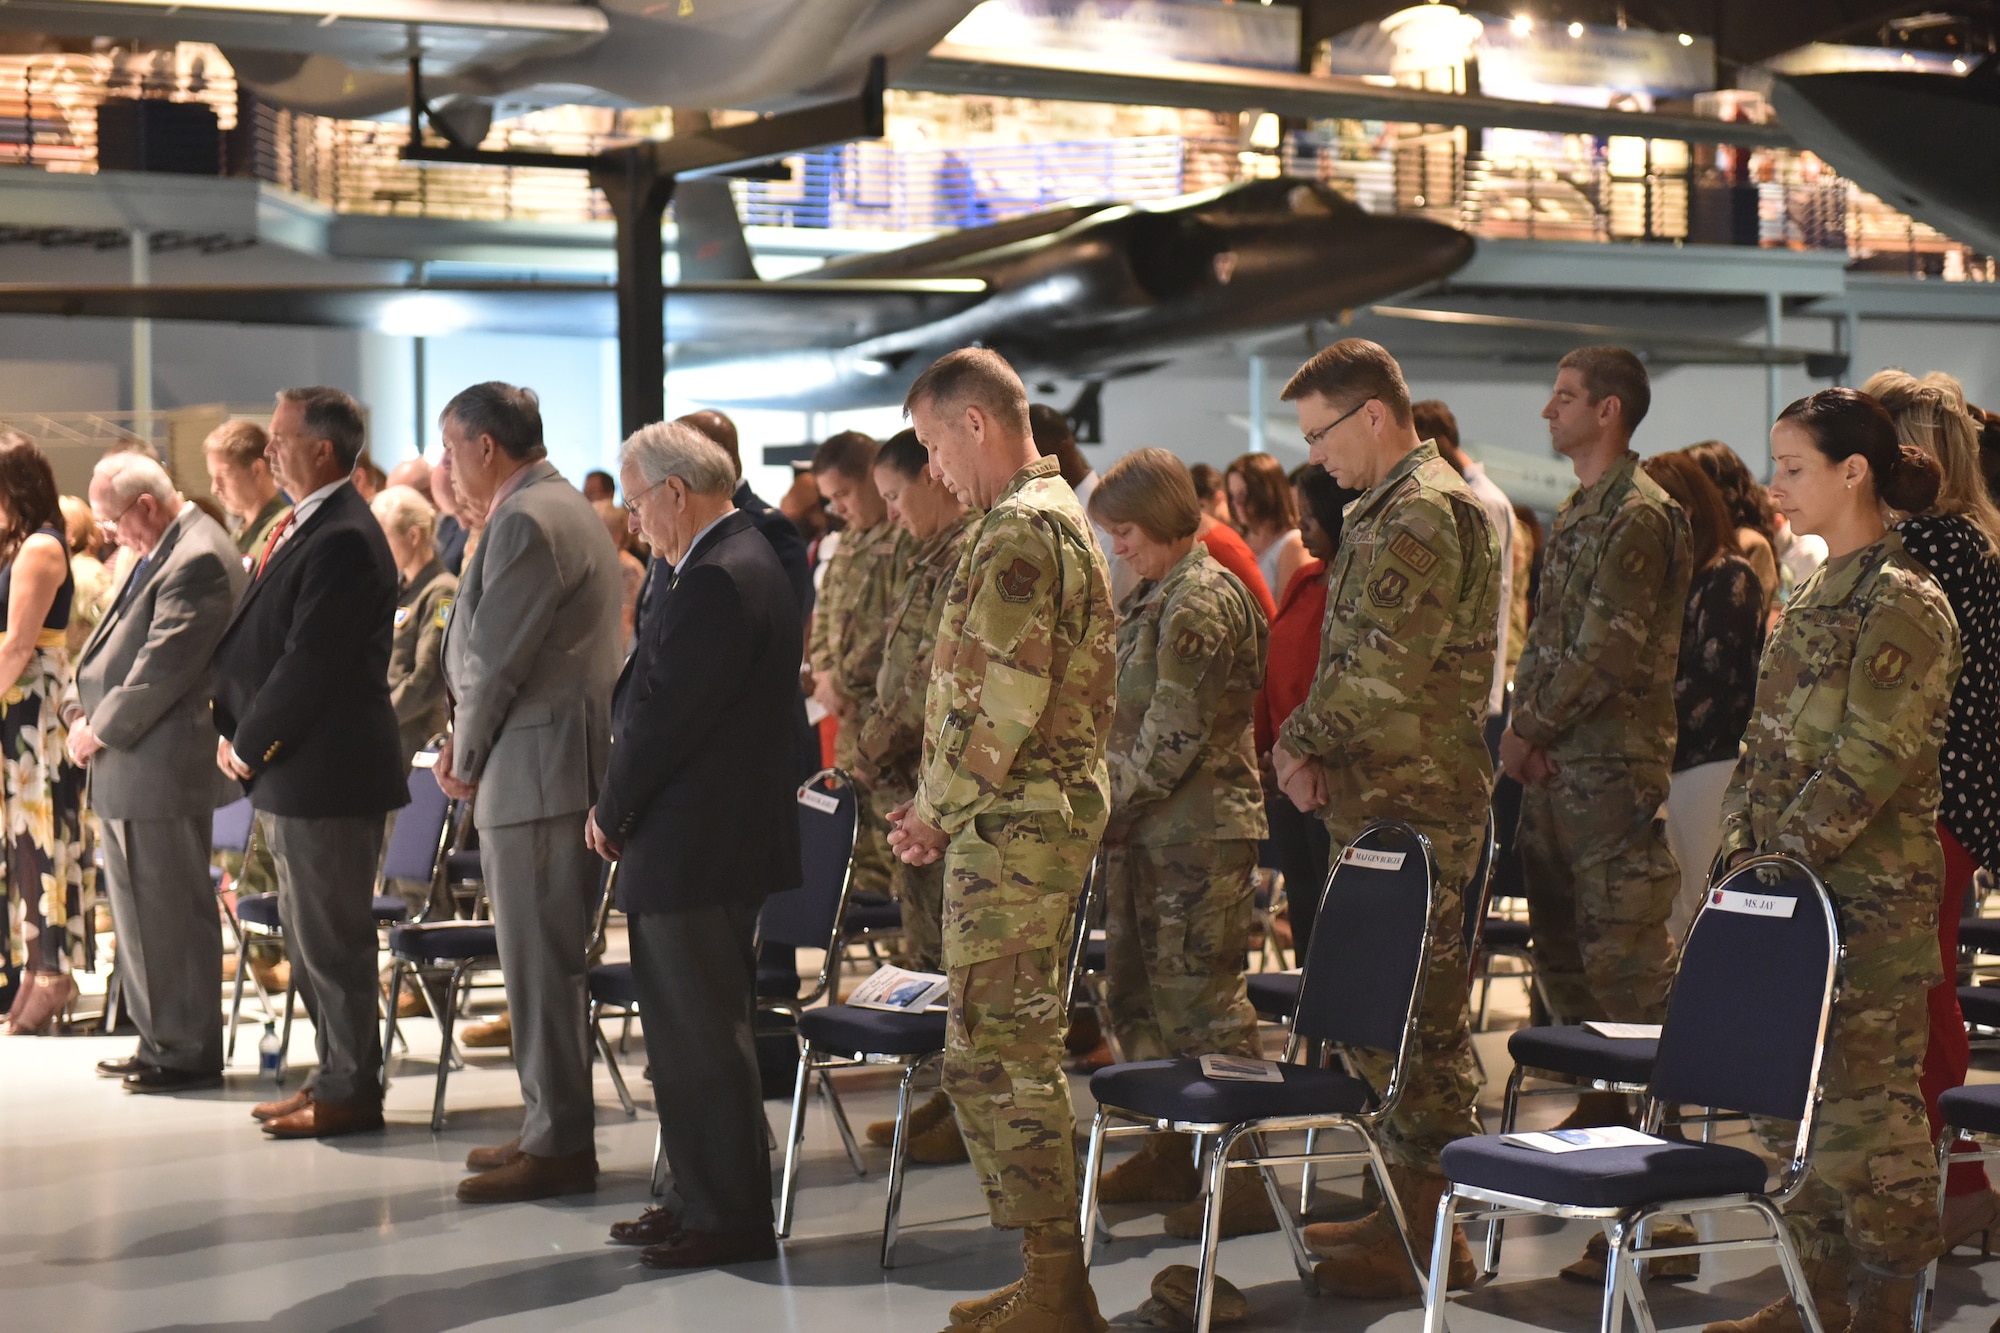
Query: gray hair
{"type": "Point", "coordinates": [671, 449]}
{"type": "Point", "coordinates": [129, 475]}
{"type": "Point", "coordinates": [403, 509]}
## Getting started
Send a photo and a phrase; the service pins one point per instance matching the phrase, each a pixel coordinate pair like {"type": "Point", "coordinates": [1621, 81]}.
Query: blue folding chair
{"type": "Point", "coordinates": [1766, 943]}
{"type": "Point", "coordinates": [1362, 987]}
{"type": "Point", "coordinates": [1972, 1110]}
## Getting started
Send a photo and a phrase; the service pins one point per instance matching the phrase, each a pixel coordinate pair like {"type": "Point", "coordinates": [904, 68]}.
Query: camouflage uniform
{"type": "Point", "coordinates": [889, 738]}
{"type": "Point", "coordinates": [1397, 718]}
{"type": "Point", "coordinates": [1840, 769]}
{"type": "Point", "coordinates": [1013, 774]}
{"type": "Point", "coordinates": [1595, 690]}
{"type": "Point", "coordinates": [1187, 809]}
{"type": "Point", "coordinates": [860, 585]}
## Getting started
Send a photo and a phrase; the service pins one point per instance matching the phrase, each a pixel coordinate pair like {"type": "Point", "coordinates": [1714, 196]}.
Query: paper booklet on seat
{"type": "Point", "coordinates": [1575, 1140]}
{"type": "Point", "coordinates": [1241, 1069]}
{"type": "Point", "coordinates": [899, 990]}
{"type": "Point", "coordinates": [1625, 1031]}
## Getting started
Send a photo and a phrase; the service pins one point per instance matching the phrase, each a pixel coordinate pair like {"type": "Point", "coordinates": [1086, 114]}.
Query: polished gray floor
{"type": "Point", "coordinates": [132, 1213]}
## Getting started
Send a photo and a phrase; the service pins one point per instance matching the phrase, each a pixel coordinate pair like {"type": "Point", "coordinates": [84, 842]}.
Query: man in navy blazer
{"type": "Point", "coordinates": [699, 809]}
{"type": "Point", "coordinates": [302, 706]}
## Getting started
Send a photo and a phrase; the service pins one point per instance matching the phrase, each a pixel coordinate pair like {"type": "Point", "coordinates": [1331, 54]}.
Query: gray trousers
{"type": "Point", "coordinates": [326, 896]}
{"type": "Point", "coordinates": [542, 882]}
{"type": "Point", "coordinates": [696, 979]}
{"type": "Point", "coordinates": [169, 939]}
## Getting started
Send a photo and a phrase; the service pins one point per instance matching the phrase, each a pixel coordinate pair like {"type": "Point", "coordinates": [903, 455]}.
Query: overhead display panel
{"type": "Point", "coordinates": [375, 35]}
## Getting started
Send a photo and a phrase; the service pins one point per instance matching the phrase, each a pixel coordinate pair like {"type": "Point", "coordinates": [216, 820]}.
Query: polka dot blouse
{"type": "Point", "coordinates": [1969, 572]}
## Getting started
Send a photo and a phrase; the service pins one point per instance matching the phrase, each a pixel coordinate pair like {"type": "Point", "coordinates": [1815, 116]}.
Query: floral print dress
{"type": "Point", "coordinates": [51, 883]}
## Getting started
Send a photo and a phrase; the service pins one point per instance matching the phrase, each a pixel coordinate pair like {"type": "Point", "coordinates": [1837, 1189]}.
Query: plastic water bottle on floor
{"type": "Point", "coordinates": [267, 1053]}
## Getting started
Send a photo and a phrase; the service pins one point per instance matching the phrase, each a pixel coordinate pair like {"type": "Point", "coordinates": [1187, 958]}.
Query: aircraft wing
{"type": "Point", "coordinates": [379, 35]}
{"type": "Point", "coordinates": [1414, 332]}
{"type": "Point", "coordinates": [749, 315]}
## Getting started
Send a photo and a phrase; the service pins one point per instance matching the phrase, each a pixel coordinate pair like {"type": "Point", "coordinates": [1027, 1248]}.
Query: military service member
{"type": "Point", "coordinates": [890, 739]}
{"type": "Point", "coordinates": [1012, 794]}
{"type": "Point", "coordinates": [1394, 729]}
{"type": "Point", "coordinates": [1840, 769]}
{"type": "Point", "coordinates": [844, 647]}
{"type": "Point", "coordinates": [1187, 805]}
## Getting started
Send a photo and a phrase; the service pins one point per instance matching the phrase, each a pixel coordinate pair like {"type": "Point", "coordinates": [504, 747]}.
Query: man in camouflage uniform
{"type": "Point", "coordinates": [844, 646]}
{"type": "Point", "coordinates": [1592, 734]}
{"type": "Point", "coordinates": [1012, 794]}
{"type": "Point", "coordinates": [1394, 729]}
{"type": "Point", "coordinates": [889, 741]}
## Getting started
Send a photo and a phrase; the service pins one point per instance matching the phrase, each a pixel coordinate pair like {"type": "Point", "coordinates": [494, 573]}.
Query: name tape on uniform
{"type": "Point", "coordinates": [1751, 904]}
{"type": "Point", "coordinates": [819, 800]}
{"type": "Point", "coordinates": [1367, 860]}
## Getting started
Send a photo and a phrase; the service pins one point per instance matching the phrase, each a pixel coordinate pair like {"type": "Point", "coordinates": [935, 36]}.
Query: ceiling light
{"type": "Point", "coordinates": [1576, 30]}
{"type": "Point", "coordinates": [1958, 67]}
{"type": "Point", "coordinates": [1685, 40]}
{"type": "Point", "coordinates": [1522, 25]}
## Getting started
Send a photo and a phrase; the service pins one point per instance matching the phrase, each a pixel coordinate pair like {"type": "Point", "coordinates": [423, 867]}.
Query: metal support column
{"type": "Point", "coordinates": [638, 192]}
{"type": "Point", "coordinates": [1774, 316]}
{"type": "Point", "coordinates": [142, 330]}
{"type": "Point", "coordinates": [1256, 404]}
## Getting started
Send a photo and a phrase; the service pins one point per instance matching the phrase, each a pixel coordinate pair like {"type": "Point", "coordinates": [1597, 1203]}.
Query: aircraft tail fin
{"type": "Point", "coordinates": [709, 235]}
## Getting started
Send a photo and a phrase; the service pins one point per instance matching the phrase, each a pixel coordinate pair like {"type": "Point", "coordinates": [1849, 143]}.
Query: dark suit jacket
{"type": "Point", "coordinates": [785, 539]}
{"type": "Point", "coordinates": [701, 794]}
{"type": "Point", "coordinates": [449, 543]}
{"type": "Point", "coordinates": [302, 673]}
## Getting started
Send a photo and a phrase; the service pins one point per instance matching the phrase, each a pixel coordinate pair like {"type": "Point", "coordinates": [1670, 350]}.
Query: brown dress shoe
{"type": "Point", "coordinates": [494, 1033]}
{"type": "Point", "coordinates": [655, 1226]}
{"type": "Point", "coordinates": [527, 1176]}
{"type": "Point", "coordinates": [269, 1111]}
{"type": "Point", "coordinates": [489, 1159]}
{"type": "Point", "coordinates": [325, 1120]}
{"type": "Point", "coordinates": [712, 1249]}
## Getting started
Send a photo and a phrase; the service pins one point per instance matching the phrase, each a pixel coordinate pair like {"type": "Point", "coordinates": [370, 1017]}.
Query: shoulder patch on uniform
{"type": "Point", "coordinates": [1017, 581]}
{"type": "Point", "coordinates": [1388, 588]}
{"type": "Point", "coordinates": [1189, 645]}
{"type": "Point", "coordinates": [402, 615]}
{"type": "Point", "coordinates": [1633, 562]}
{"type": "Point", "coordinates": [443, 611]}
{"type": "Point", "coordinates": [1412, 552]}
{"type": "Point", "coordinates": [1888, 665]}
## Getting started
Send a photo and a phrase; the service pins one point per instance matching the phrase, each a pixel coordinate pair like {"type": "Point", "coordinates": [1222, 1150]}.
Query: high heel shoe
{"type": "Point", "coordinates": [1969, 1215]}
{"type": "Point", "coordinates": [23, 989]}
{"type": "Point", "coordinates": [53, 994]}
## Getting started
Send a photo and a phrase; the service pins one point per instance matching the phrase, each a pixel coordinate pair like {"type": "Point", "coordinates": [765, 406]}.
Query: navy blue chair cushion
{"type": "Point", "coordinates": [612, 984]}
{"type": "Point", "coordinates": [259, 909]}
{"type": "Point", "coordinates": [1504, 933]}
{"type": "Point", "coordinates": [390, 909]}
{"type": "Point", "coordinates": [1177, 1090]}
{"type": "Point", "coordinates": [1603, 1177]}
{"type": "Point", "coordinates": [1975, 1107]}
{"type": "Point", "coordinates": [842, 1029]}
{"type": "Point", "coordinates": [1274, 993]}
{"type": "Point", "coordinates": [1980, 1004]}
{"type": "Point", "coordinates": [443, 941]}
{"type": "Point", "coordinates": [1981, 933]}
{"type": "Point", "coordinates": [1581, 1053]}
{"type": "Point", "coordinates": [865, 915]}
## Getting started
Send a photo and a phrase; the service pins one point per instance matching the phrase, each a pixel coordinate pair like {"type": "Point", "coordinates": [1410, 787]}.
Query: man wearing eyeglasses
{"type": "Point", "coordinates": [1394, 728]}
{"type": "Point", "coordinates": [531, 650]}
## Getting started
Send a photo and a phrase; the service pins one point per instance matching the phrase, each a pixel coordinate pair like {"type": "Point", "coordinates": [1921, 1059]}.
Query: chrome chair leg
{"type": "Point", "coordinates": [1211, 1230]}
{"type": "Point", "coordinates": [285, 1032]}
{"type": "Point", "coordinates": [893, 1215]}
{"type": "Point", "coordinates": [795, 1132]}
{"type": "Point", "coordinates": [1440, 1274]}
{"type": "Point", "coordinates": [1302, 1258]}
{"type": "Point", "coordinates": [832, 1097]}
{"type": "Point", "coordinates": [236, 998]}
{"type": "Point", "coordinates": [389, 1026]}
{"type": "Point", "coordinates": [1093, 1163]}
{"type": "Point", "coordinates": [659, 1182]}
{"type": "Point", "coordinates": [1612, 1320]}
{"type": "Point", "coordinates": [1927, 1288]}
{"type": "Point", "coordinates": [611, 1063]}
{"type": "Point", "coordinates": [446, 1021]}
{"type": "Point", "coordinates": [1510, 1109]}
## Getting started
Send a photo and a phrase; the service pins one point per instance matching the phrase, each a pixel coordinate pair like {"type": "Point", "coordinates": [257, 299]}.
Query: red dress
{"type": "Point", "coordinates": [1293, 658]}
{"type": "Point", "coordinates": [1234, 555]}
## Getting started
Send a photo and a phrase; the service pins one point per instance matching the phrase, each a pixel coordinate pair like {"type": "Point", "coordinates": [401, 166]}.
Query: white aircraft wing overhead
{"type": "Point", "coordinates": [377, 36]}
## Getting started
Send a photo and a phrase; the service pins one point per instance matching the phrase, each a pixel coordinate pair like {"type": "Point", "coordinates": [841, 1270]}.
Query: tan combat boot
{"type": "Point", "coordinates": [1171, 1304]}
{"type": "Point", "coordinates": [1053, 1295]}
{"type": "Point", "coordinates": [1327, 1239]}
{"type": "Point", "coordinates": [1673, 1268]}
{"type": "Point", "coordinates": [883, 1132]}
{"type": "Point", "coordinates": [1380, 1269]}
{"type": "Point", "coordinates": [1246, 1208]}
{"type": "Point", "coordinates": [1162, 1171]}
{"type": "Point", "coordinates": [1599, 1108]}
{"type": "Point", "coordinates": [940, 1145]}
{"type": "Point", "coordinates": [1828, 1284]}
{"type": "Point", "coordinates": [1884, 1304]}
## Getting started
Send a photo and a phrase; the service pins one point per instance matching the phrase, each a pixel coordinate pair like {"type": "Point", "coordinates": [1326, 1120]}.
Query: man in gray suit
{"type": "Point", "coordinates": [531, 652]}
{"type": "Point", "coordinates": [138, 715]}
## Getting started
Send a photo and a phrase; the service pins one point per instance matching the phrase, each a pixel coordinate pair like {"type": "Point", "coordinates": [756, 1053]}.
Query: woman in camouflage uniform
{"type": "Point", "coordinates": [1840, 769]}
{"type": "Point", "coordinates": [1187, 807]}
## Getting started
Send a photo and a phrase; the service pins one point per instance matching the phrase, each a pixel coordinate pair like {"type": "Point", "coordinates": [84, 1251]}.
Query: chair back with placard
{"type": "Point", "coordinates": [229, 826]}
{"type": "Point", "coordinates": [1361, 979]}
{"type": "Point", "coordinates": [807, 916]}
{"type": "Point", "coordinates": [1747, 1020]}
{"type": "Point", "coordinates": [417, 843]}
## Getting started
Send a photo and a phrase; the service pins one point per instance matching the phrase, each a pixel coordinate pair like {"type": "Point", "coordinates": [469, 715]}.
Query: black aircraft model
{"type": "Point", "coordinates": [1084, 291]}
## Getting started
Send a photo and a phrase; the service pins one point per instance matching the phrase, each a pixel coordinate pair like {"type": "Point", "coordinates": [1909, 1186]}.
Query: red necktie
{"type": "Point", "coordinates": [277, 534]}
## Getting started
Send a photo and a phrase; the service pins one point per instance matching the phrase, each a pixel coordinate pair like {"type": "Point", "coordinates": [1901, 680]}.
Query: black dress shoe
{"type": "Point", "coordinates": [119, 1068]}
{"type": "Point", "coordinates": [149, 1079]}
{"type": "Point", "coordinates": [713, 1249]}
{"type": "Point", "coordinates": [655, 1226]}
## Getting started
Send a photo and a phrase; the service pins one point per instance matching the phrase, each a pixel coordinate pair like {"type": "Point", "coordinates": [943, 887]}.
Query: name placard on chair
{"type": "Point", "coordinates": [1370, 860]}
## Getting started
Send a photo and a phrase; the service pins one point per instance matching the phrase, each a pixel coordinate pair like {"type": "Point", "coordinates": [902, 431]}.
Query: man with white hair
{"type": "Point", "coordinates": [699, 810]}
{"type": "Point", "coordinates": [531, 649]}
{"type": "Point", "coordinates": [139, 722]}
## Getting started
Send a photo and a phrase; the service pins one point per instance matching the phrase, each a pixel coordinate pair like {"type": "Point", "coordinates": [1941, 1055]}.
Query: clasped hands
{"type": "Point", "coordinates": [1528, 763]}
{"type": "Point", "coordinates": [912, 840]}
{"type": "Point", "coordinates": [1303, 780]}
